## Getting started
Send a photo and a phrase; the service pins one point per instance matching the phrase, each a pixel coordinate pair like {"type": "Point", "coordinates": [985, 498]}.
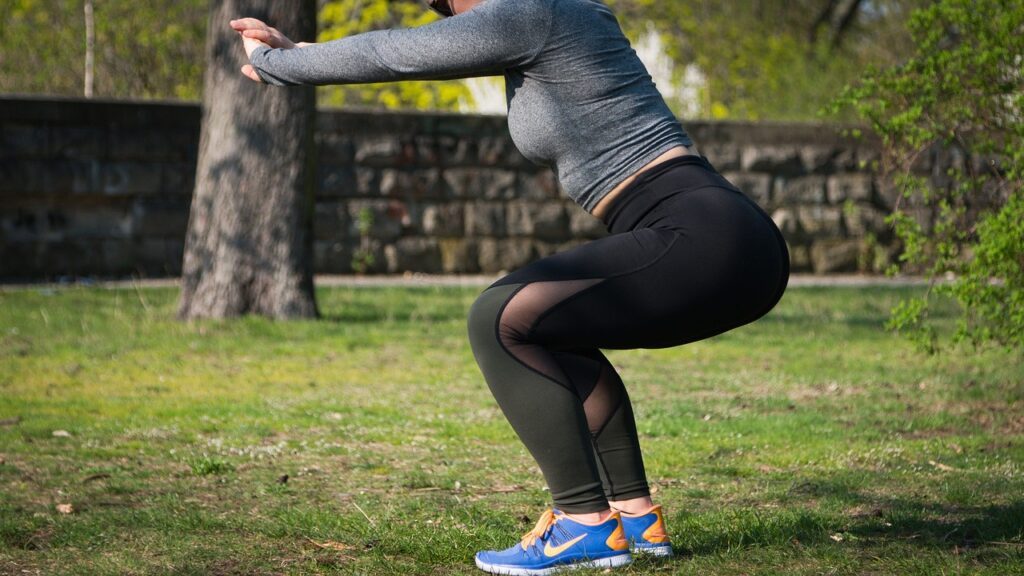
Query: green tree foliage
{"type": "Point", "coordinates": [762, 59]}
{"type": "Point", "coordinates": [962, 91]}
{"type": "Point", "coordinates": [155, 50]}
{"type": "Point", "coordinates": [340, 18]}
{"type": "Point", "coordinates": [143, 49]}
{"type": "Point", "coordinates": [769, 59]}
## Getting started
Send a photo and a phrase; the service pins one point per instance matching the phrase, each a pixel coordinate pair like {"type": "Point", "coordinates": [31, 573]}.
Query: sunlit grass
{"type": "Point", "coordinates": [810, 442]}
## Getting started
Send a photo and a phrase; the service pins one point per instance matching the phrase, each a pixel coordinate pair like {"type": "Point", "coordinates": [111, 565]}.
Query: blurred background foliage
{"type": "Point", "coordinates": [143, 49]}
{"type": "Point", "coordinates": [920, 74]}
{"type": "Point", "coordinates": [773, 59]}
{"type": "Point", "coordinates": [738, 59]}
{"type": "Point", "coordinates": [961, 90]}
{"type": "Point", "coordinates": [342, 18]}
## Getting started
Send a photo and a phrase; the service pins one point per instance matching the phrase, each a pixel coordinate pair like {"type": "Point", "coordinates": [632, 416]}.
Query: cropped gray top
{"type": "Point", "coordinates": [579, 99]}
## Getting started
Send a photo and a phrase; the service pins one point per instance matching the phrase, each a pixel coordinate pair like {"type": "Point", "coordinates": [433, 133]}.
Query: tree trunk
{"type": "Point", "coordinates": [90, 49]}
{"type": "Point", "coordinates": [844, 23]}
{"type": "Point", "coordinates": [249, 243]}
{"type": "Point", "coordinates": [824, 17]}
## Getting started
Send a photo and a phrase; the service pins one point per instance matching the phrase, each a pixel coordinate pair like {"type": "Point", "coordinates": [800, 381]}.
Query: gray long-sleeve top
{"type": "Point", "coordinates": [579, 99]}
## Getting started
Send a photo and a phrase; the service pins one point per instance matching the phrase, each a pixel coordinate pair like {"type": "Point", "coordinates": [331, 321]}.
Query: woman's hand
{"type": "Point", "coordinates": [254, 34]}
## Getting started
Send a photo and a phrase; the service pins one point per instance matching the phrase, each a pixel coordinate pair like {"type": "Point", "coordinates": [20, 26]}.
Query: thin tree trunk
{"type": "Point", "coordinates": [90, 49]}
{"type": "Point", "coordinates": [844, 23]}
{"type": "Point", "coordinates": [249, 244]}
{"type": "Point", "coordinates": [824, 17]}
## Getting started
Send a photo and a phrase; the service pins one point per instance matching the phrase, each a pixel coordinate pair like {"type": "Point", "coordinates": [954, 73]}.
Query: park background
{"type": "Point", "coordinates": [864, 426]}
{"type": "Point", "coordinates": [102, 187]}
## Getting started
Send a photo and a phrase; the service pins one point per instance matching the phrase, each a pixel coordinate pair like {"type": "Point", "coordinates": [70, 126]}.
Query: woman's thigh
{"type": "Point", "coordinates": [709, 262]}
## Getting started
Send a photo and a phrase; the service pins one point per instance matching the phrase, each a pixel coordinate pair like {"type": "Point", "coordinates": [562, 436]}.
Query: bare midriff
{"type": "Point", "coordinates": [602, 206]}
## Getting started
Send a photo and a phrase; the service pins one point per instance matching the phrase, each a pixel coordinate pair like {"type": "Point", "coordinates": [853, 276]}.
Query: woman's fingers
{"type": "Point", "coordinates": [241, 24]}
{"type": "Point", "coordinates": [251, 44]}
{"type": "Point", "coordinates": [261, 35]}
{"type": "Point", "coordinates": [256, 33]}
{"type": "Point", "coordinates": [250, 72]}
{"type": "Point", "coordinates": [268, 35]}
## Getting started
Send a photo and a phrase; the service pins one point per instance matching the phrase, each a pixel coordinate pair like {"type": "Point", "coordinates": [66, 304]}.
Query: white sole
{"type": "Point", "coordinates": [610, 562]}
{"type": "Point", "coordinates": [660, 551]}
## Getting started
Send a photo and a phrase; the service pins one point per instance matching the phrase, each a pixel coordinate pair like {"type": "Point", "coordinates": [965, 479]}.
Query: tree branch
{"type": "Point", "coordinates": [844, 24]}
{"type": "Point", "coordinates": [824, 17]}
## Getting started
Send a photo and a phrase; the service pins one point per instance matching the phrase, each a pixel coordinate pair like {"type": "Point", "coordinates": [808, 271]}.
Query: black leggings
{"type": "Point", "coordinates": [689, 256]}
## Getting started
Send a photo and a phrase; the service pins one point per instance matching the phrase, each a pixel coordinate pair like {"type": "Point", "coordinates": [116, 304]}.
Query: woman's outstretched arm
{"type": "Point", "coordinates": [255, 33]}
{"type": "Point", "coordinates": [486, 40]}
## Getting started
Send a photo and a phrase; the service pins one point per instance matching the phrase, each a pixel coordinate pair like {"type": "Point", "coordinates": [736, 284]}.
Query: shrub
{"type": "Point", "coordinates": [960, 95]}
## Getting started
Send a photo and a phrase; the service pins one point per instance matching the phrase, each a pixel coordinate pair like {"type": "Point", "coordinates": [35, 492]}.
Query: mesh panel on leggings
{"type": "Point", "coordinates": [587, 372]}
{"type": "Point", "coordinates": [596, 383]}
{"type": "Point", "coordinates": [604, 398]}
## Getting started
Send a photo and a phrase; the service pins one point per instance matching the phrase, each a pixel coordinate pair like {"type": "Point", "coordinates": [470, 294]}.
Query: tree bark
{"type": "Point", "coordinates": [844, 23]}
{"type": "Point", "coordinates": [838, 24]}
{"type": "Point", "coordinates": [249, 244]}
{"type": "Point", "coordinates": [824, 17]}
{"type": "Point", "coordinates": [90, 49]}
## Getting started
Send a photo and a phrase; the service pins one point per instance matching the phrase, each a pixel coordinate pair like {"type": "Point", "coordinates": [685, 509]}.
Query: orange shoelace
{"type": "Point", "coordinates": [547, 519]}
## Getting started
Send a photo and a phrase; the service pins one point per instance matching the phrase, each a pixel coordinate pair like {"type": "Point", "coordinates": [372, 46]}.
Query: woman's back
{"type": "Point", "coordinates": [579, 98]}
{"type": "Point", "coordinates": [586, 104]}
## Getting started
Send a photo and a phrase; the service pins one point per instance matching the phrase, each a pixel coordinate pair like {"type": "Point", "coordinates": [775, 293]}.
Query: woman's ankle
{"type": "Point", "coordinates": [632, 506]}
{"type": "Point", "coordinates": [589, 517]}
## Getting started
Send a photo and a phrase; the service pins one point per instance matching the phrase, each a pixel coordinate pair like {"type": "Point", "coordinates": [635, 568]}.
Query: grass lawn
{"type": "Point", "coordinates": [811, 442]}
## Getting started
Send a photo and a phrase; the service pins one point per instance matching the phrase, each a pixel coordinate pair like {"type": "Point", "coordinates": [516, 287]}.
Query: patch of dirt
{"type": "Point", "coordinates": [929, 433]}
{"type": "Point", "coordinates": [226, 567]}
{"type": "Point", "coordinates": [833, 389]}
{"type": "Point", "coordinates": [861, 511]}
{"type": "Point", "coordinates": [997, 446]}
{"type": "Point", "coordinates": [11, 567]}
{"type": "Point", "coordinates": [38, 539]}
{"type": "Point", "coordinates": [1000, 418]}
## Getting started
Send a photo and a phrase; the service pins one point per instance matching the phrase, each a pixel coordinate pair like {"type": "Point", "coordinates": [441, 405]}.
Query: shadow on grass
{"type": "Point", "coordinates": [932, 525]}
{"type": "Point", "coordinates": [906, 523]}
{"type": "Point", "coordinates": [393, 305]}
{"type": "Point", "coordinates": [815, 512]}
{"type": "Point", "coordinates": [803, 320]}
{"type": "Point", "coordinates": [924, 521]}
{"type": "Point", "coordinates": [374, 316]}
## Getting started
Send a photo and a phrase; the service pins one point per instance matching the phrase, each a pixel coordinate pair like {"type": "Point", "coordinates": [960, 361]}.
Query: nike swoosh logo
{"type": "Point", "coordinates": [550, 550]}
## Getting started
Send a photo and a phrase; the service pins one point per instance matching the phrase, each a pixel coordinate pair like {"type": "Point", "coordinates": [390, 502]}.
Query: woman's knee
{"type": "Point", "coordinates": [482, 322]}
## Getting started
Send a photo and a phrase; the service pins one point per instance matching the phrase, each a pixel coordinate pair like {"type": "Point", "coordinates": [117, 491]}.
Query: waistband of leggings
{"type": "Point", "coordinates": [637, 198]}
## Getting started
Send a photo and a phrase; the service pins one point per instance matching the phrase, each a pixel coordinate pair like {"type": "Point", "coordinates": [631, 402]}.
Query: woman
{"type": "Point", "coordinates": [688, 255]}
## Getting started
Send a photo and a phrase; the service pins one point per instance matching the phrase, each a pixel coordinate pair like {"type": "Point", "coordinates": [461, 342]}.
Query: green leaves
{"type": "Point", "coordinates": [770, 60]}
{"type": "Point", "coordinates": [143, 49]}
{"type": "Point", "coordinates": [960, 93]}
{"type": "Point", "coordinates": [340, 18]}
{"type": "Point", "coordinates": [156, 50]}
{"type": "Point", "coordinates": [756, 59]}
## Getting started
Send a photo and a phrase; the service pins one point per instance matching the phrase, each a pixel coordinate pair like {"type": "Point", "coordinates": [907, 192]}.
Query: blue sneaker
{"type": "Point", "coordinates": [558, 542]}
{"type": "Point", "coordinates": [646, 533]}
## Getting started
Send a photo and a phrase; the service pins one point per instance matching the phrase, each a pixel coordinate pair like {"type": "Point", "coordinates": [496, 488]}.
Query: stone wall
{"type": "Point", "coordinates": [95, 188]}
